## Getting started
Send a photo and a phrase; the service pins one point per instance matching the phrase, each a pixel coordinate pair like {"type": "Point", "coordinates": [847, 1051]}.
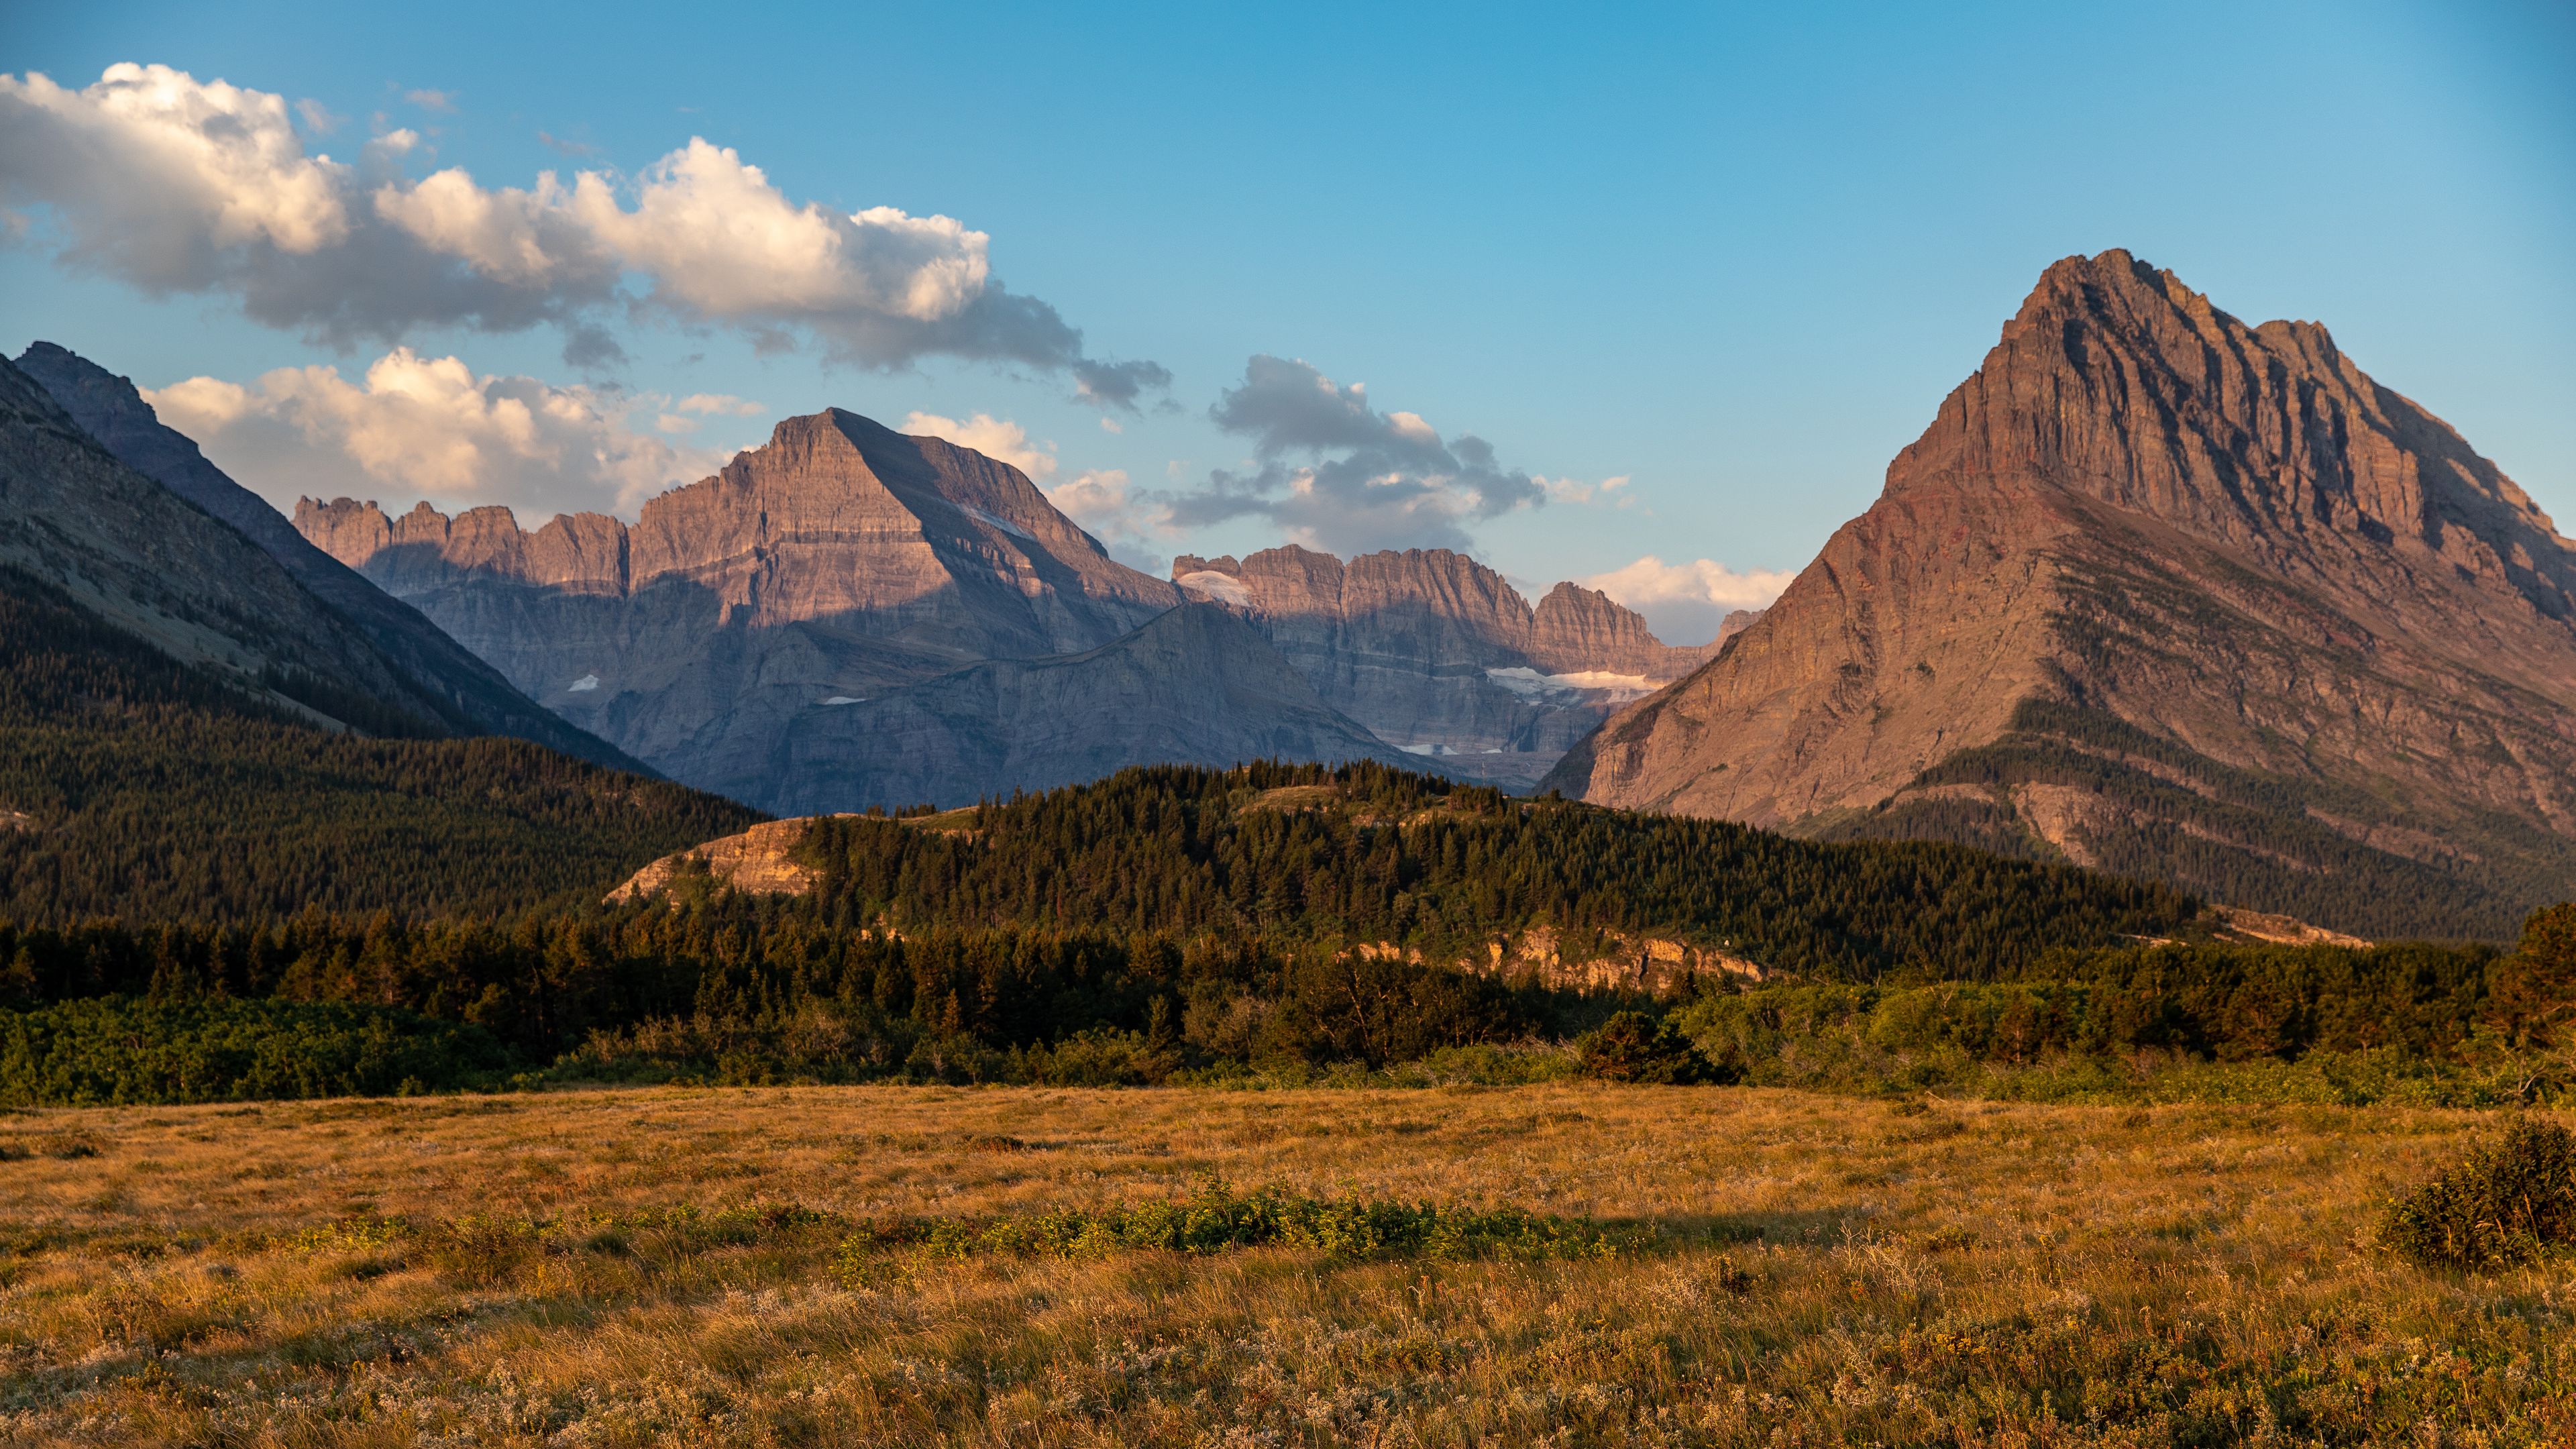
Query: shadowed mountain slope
{"type": "Point", "coordinates": [728, 633]}
{"type": "Point", "coordinates": [464, 693]}
{"type": "Point", "coordinates": [184, 729]}
{"type": "Point", "coordinates": [2176, 596]}
{"type": "Point", "coordinates": [1196, 686]}
{"type": "Point", "coordinates": [1440, 655]}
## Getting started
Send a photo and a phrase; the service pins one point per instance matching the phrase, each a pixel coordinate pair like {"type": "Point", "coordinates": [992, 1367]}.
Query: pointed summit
{"type": "Point", "coordinates": [2172, 595]}
{"type": "Point", "coordinates": [836, 561]}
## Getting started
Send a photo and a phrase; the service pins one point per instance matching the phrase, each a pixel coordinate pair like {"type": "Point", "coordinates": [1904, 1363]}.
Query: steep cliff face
{"type": "Point", "coordinates": [1438, 654]}
{"type": "Point", "coordinates": [462, 691]}
{"type": "Point", "coordinates": [2177, 596]}
{"type": "Point", "coordinates": [725, 636]}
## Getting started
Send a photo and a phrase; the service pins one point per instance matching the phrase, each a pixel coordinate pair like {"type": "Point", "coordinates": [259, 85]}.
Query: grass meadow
{"type": "Point", "coordinates": [1727, 1267]}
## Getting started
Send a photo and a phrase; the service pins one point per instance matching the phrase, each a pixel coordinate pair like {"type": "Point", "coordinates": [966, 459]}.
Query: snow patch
{"type": "Point", "coordinates": [844, 699]}
{"type": "Point", "coordinates": [1224, 588]}
{"type": "Point", "coordinates": [1530, 684]}
{"type": "Point", "coordinates": [1004, 524]}
{"type": "Point", "coordinates": [584, 685]}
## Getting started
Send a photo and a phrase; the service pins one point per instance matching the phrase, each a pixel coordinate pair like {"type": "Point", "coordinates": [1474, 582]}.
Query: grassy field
{"type": "Point", "coordinates": [668, 1266]}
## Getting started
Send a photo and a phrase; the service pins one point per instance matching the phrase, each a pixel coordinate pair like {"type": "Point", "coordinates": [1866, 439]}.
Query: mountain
{"type": "Point", "coordinates": [1196, 686]}
{"type": "Point", "coordinates": [185, 730]}
{"type": "Point", "coordinates": [765, 632]}
{"type": "Point", "coordinates": [461, 691]}
{"type": "Point", "coordinates": [1439, 655]}
{"type": "Point", "coordinates": [2175, 596]}
{"type": "Point", "coordinates": [140, 557]}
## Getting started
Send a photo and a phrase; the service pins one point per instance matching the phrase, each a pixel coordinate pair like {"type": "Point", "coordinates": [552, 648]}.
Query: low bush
{"type": "Point", "coordinates": [1215, 1219]}
{"type": "Point", "coordinates": [1634, 1047]}
{"type": "Point", "coordinates": [124, 1049]}
{"type": "Point", "coordinates": [2505, 1204]}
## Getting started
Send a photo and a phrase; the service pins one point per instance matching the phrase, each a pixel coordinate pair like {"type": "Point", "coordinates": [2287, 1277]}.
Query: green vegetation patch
{"type": "Point", "coordinates": [2508, 1203]}
{"type": "Point", "coordinates": [122, 1049]}
{"type": "Point", "coordinates": [133, 785]}
{"type": "Point", "coordinates": [1216, 1219]}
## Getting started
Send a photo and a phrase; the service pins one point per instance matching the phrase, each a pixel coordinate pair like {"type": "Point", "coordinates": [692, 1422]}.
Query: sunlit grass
{"type": "Point", "coordinates": [770, 1266]}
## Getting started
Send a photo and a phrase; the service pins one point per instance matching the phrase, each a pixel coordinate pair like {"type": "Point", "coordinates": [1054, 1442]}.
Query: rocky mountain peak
{"type": "Point", "coordinates": [2116, 381]}
{"type": "Point", "coordinates": [2162, 592]}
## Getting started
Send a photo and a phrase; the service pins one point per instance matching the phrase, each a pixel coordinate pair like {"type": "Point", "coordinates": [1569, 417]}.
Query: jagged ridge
{"type": "Point", "coordinates": [2337, 647]}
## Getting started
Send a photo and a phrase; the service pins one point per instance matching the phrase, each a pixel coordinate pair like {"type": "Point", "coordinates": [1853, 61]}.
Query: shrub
{"type": "Point", "coordinates": [1633, 1047]}
{"type": "Point", "coordinates": [126, 1049]}
{"type": "Point", "coordinates": [2503, 1205]}
{"type": "Point", "coordinates": [1216, 1219]}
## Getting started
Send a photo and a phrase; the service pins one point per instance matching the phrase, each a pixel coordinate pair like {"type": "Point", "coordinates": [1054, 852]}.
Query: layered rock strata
{"type": "Point", "coordinates": [2173, 595]}
{"type": "Point", "coordinates": [1439, 655]}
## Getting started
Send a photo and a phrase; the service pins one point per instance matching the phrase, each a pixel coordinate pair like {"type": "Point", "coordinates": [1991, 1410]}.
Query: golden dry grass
{"type": "Point", "coordinates": [1829, 1270]}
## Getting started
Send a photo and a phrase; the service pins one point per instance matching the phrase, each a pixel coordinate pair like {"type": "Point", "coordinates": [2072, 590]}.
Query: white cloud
{"type": "Point", "coordinates": [1575, 490]}
{"type": "Point", "coordinates": [1000, 439]}
{"type": "Point", "coordinates": [722, 404]}
{"type": "Point", "coordinates": [1134, 524]}
{"type": "Point", "coordinates": [429, 100]}
{"type": "Point", "coordinates": [522, 238]}
{"type": "Point", "coordinates": [428, 427]}
{"type": "Point", "coordinates": [153, 172]}
{"type": "Point", "coordinates": [1685, 602]}
{"type": "Point", "coordinates": [1363, 480]}
{"type": "Point", "coordinates": [178, 185]}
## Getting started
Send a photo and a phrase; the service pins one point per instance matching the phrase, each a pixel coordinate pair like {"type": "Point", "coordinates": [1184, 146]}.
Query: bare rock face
{"type": "Point", "coordinates": [737, 634]}
{"type": "Point", "coordinates": [449, 683]}
{"type": "Point", "coordinates": [760, 861]}
{"type": "Point", "coordinates": [2168, 594]}
{"type": "Point", "coordinates": [1439, 655]}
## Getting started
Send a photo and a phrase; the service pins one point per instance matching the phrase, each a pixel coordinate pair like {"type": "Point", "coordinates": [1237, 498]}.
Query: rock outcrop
{"type": "Point", "coordinates": [760, 861]}
{"type": "Point", "coordinates": [463, 692]}
{"type": "Point", "coordinates": [2175, 596]}
{"type": "Point", "coordinates": [1439, 655]}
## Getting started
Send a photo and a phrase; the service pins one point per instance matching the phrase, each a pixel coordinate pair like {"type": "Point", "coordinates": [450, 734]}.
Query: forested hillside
{"type": "Point", "coordinates": [132, 785]}
{"type": "Point", "coordinates": [1365, 853]}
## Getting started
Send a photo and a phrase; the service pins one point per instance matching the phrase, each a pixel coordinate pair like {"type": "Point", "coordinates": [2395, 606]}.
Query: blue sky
{"type": "Point", "coordinates": [1732, 255]}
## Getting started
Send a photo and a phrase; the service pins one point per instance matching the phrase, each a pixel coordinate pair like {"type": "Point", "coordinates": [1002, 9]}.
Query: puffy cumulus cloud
{"type": "Point", "coordinates": [156, 176]}
{"type": "Point", "coordinates": [1686, 602]}
{"type": "Point", "coordinates": [429, 427]}
{"type": "Point", "coordinates": [999, 439]}
{"type": "Point", "coordinates": [1337, 473]}
{"type": "Point", "coordinates": [178, 185]}
{"type": "Point", "coordinates": [1129, 521]}
{"type": "Point", "coordinates": [719, 240]}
